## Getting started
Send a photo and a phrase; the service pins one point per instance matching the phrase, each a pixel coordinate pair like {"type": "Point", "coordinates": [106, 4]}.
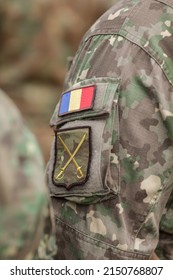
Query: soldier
{"type": "Point", "coordinates": [110, 171]}
{"type": "Point", "coordinates": [23, 196]}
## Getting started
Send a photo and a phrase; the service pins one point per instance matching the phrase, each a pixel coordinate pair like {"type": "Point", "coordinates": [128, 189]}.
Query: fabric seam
{"type": "Point", "coordinates": [135, 253]}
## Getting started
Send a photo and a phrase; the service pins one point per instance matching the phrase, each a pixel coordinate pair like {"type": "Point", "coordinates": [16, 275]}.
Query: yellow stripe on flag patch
{"type": "Point", "coordinates": [75, 100]}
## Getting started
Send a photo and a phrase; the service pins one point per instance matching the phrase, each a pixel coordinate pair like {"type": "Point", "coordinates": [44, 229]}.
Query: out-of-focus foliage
{"type": "Point", "coordinates": [36, 38]}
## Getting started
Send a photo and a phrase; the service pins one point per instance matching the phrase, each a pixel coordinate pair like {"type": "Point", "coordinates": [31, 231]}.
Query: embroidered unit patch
{"type": "Point", "coordinates": [77, 100]}
{"type": "Point", "coordinates": [72, 156]}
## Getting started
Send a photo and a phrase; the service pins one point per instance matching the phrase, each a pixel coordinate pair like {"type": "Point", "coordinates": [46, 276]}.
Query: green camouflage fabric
{"type": "Point", "coordinates": [24, 212]}
{"type": "Point", "coordinates": [116, 214]}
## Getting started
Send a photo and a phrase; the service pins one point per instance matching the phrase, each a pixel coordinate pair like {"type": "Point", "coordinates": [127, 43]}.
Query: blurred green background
{"type": "Point", "coordinates": [36, 38]}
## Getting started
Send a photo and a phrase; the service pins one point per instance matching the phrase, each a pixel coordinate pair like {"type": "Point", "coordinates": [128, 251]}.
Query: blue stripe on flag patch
{"type": "Point", "coordinates": [65, 103]}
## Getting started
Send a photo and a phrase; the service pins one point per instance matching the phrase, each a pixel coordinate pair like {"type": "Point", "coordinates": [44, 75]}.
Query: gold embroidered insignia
{"type": "Point", "coordinates": [72, 153]}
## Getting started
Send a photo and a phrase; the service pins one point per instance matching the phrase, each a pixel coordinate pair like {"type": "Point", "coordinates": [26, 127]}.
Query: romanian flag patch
{"type": "Point", "coordinates": [77, 100]}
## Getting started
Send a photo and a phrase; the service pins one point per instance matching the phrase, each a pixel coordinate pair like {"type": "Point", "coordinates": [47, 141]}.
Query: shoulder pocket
{"type": "Point", "coordinates": [84, 156]}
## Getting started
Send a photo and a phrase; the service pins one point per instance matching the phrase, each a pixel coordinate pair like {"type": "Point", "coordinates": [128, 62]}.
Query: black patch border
{"type": "Point", "coordinates": [77, 111]}
{"type": "Point", "coordinates": [55, 157]}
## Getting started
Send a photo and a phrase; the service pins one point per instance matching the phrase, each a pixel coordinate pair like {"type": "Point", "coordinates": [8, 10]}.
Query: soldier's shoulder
{"type": "Point", "coordinates": [129, 16]}
{"type": "Point", "coordinates": [8, 110]}
{"type": "Point", "coordinates": [113, 19]}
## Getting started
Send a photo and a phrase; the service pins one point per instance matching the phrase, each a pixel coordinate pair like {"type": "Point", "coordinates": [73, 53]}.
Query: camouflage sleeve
{"type": "Point", "coordinates": [23, 194]}
{"type": "Point", "coordinates": [121, 140]}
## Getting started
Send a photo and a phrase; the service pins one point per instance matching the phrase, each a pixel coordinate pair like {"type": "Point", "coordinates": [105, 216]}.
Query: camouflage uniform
{"type": "Point", "coordinates": [23, 194]}
{"type": "Point", "coordinates": [110, 172]}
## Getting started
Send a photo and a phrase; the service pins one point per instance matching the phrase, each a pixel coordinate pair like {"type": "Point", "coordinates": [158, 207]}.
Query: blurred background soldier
{"type": "Point", "coordinates": [25, 220]}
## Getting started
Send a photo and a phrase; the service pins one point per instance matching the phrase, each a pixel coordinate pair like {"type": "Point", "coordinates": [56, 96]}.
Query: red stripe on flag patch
{"type": "Point", "coordinates": [87, 97]}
